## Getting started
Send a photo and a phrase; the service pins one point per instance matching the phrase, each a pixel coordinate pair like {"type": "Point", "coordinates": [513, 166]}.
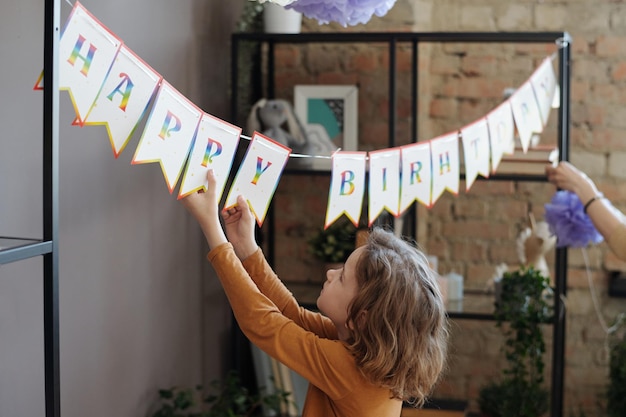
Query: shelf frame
{"type": "Point", "coordinates": [562, 39]}
{"type": "Point", "coordinates": [23, 249]}
{"type": "Point", "coordinates": [14, 249]}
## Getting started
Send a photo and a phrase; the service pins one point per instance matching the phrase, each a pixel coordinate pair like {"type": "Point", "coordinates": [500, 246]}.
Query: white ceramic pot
{"type": "Point", "coordinates": [277, 19]}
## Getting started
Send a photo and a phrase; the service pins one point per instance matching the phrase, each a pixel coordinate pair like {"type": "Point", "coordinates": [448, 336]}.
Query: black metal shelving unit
{"type": "Point", "coordinates": [392, 39]}
{"type": "Point", "coordinates": [14, 249]}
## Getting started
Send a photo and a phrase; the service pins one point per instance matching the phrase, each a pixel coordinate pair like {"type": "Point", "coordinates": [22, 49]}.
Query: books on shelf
{"type": "Point", "coordinates": [533, 162]}
{"type": "Point", "coordinates": [522, 167]}
{"type": "Point", "coordinates": [536, 153]}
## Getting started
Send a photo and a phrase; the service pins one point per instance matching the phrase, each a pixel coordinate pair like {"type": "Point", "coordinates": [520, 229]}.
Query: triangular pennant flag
{"type": "Point", "coordinates": [475, 139]}
{"type": "Point", "coordinates": [384, 184]}
{"type": "Point", "coordinates": [347, 187]}
{"type": "Point", "coordinates": [544, 85]}
{"type": "Point", "coordinates": [86, 51]}
{"type": "Point", "coordinates": [445, 159]}
{"type": "Point", "coordinates": [556, 103]}
{"type": "Point", "coordinates": [501, 133]}
{"type": "Point", "coordinates": [214, 148]}
{"type": "Point", "coordinates": [39, 82]}
{"type": "Point", "coordinates": [168, 134]}
{"type": "Point", "coordinates": [416, 178]}
{"type": "Point", "coordinates": [259, 174]}
{"type": "Point", "coordinates": [124, 98]}
{"type": "Point", "coordinates": [526, 114]}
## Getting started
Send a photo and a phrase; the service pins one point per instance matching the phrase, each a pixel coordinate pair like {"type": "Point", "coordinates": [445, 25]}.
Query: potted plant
{"type": "Point", "coordinates": [227, 398]}
{"type": "Point", "coordinates": [334, 244]}
{"type": "Point", "coordinates": [525, 304]}
{"type": "Point", "coordinates": [249, 19]}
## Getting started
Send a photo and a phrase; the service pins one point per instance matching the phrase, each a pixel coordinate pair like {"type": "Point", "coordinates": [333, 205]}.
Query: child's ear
{"type": "Point", "coordinates": [360, 320]}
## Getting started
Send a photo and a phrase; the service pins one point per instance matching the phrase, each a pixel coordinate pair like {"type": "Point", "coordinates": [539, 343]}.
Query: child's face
{"type": "Point", "coordinates": [339, 290]}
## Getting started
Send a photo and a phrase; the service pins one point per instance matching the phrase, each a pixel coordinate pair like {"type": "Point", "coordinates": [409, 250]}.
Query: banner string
{"type": "Point", "coordinates": [561, 43]}
{"type": "Point", "coordinates": [300, 155]}
{"type": "Point", "coordinates": [596, 306]}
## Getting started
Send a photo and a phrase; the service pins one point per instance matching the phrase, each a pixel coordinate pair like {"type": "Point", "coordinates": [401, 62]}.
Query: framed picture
{"type": "Point", "coordinates": [329, 117]}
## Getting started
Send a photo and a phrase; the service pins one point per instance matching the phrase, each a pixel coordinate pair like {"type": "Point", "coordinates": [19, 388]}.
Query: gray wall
{"type": "Point", "coordinates": [139, 307]}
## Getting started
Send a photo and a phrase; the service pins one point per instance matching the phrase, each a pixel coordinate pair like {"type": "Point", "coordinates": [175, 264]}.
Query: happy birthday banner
{"type": "Point", "coordinates": [110, 85]}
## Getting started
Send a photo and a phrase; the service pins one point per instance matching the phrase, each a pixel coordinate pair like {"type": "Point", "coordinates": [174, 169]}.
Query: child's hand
{"type": "Point", "coordinates": [239, 224]}
{"type": "Point", "coordinates": [204, 208]}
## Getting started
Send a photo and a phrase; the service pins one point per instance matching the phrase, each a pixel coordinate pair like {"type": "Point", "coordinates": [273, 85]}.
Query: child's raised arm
{"type": "Point", "coordinates": [203, 206]}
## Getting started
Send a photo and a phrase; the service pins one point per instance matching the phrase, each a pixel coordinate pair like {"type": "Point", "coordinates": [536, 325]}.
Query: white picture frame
{"type": "Point", "coordinates": [328, 113]}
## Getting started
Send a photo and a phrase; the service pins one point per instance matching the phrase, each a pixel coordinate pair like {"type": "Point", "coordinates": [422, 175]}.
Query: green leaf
{"type": "Point", "coordinates": [227, 397]}
{"type": "Point", "coordinates": [526, 303]}
{"type": "Point", "coordinates": [166, 393]}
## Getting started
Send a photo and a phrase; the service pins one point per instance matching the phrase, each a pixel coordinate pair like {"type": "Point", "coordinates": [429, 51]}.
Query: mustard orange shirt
{"type": "Point", "coordinates": [303, 340]}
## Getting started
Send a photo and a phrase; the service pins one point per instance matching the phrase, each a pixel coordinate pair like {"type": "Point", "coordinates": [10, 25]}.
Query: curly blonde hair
{"type": "Point", "coordinates": [399, 336]}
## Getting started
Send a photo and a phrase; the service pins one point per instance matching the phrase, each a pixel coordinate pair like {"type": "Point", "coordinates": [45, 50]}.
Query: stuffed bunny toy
{"type": "Point", "coordinates": [269, 117]}
{"type": "Point", "coordinates": [533, 243]}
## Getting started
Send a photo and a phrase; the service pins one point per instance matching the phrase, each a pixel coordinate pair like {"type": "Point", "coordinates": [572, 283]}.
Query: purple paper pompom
{"type": "Point", "coordinates": [568, 221]}
{"type": "Point", "coordinates": [345, 12]}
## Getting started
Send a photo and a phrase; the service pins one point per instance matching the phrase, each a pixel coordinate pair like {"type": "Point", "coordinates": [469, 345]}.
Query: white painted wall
{"type": "Point", "coordinates": [139, 307]}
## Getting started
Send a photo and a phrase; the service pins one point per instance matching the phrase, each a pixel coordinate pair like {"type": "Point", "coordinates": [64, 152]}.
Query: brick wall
{"type": "Point", "coordinates": [476, 230]}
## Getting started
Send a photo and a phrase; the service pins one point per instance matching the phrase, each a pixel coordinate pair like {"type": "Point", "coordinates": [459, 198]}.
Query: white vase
{"type": "Point", "coordinates": [277, 19]}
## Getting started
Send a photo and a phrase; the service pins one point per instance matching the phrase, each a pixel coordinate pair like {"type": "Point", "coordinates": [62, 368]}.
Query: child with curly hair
{"type": "Point", "coordinates": [381, 336]}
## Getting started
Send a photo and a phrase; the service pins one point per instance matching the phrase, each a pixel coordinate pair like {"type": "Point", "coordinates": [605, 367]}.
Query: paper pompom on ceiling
{"type": "Point", "coordinates": [345, 12]}
{"type": "Point", "coordinates": [568, 221]}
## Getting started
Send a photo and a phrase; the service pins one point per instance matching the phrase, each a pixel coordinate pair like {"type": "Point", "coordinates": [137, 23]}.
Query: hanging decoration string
{"type": "Point", "coordinates": [568, 220]}
{"type": "Point", "coordinates": [300, 155]}
{"type": "Point", "coordinates": [596, 306]}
